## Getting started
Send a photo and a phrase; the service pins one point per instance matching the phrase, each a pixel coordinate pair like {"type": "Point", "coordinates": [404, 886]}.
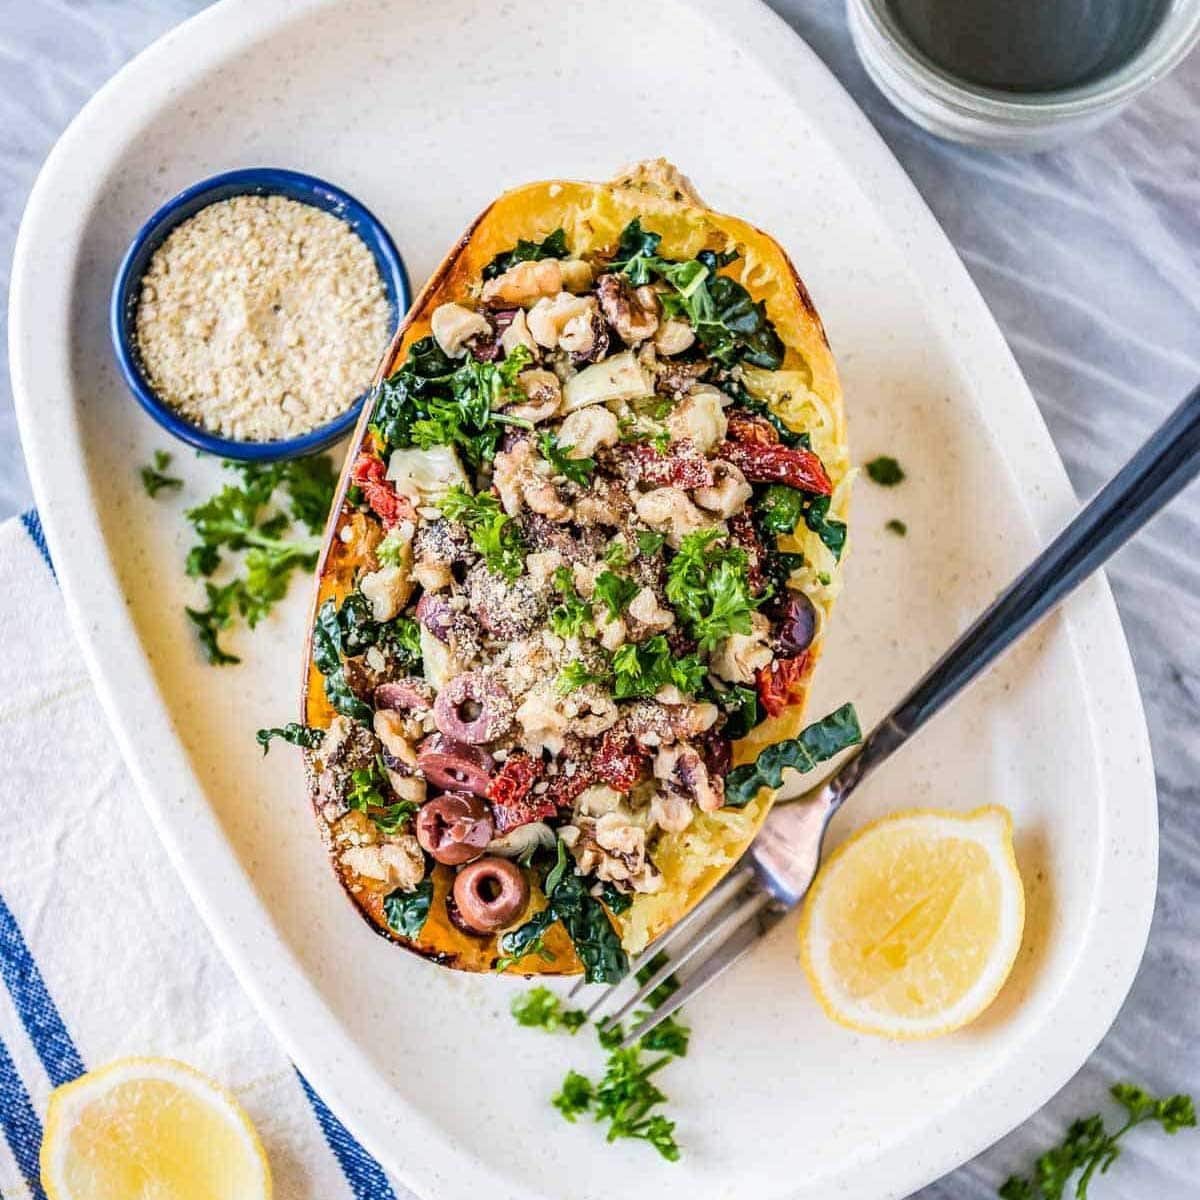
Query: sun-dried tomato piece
{"type": "Point", "coordinates": [564, 788]}
{"type": "Point", "coordinates": [681, 466]}
{"type": "Point", "coordinates": [782, 683]}
{"type": "Point", "coordinates": [746, 427]}
{"type": "Point", "coordinates": [797, 467]}
{"type": "Point", "coordinates": [619, 761]}
{"type": "Point", "coordinates": [514, 802]}
{"type": "Point", "coordinates": [370, 474]}
{"type": "Point", "coordinates": [743, 534]}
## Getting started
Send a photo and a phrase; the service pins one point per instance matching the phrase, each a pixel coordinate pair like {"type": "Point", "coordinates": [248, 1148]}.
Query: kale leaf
{"type": "Point", "coordinates": [553, 246]}
{"type": "Point", "coordinates": [820, 741]}
{"type": "Point", "coordinates": [307, 736]}
{"type": "Point", "coordinates": [433, 400]}
{"type": "Point", "coordinates": [405, 912]}
{"type": "Point", "coordinates": [728, 324]}
{"type": "Point", "coordinates": [327, 658]}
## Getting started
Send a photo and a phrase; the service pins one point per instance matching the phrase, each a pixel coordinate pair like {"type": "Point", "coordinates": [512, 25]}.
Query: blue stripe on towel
{"type": "Point", "coordinates": [364, 1175]}
{"type": "Point", "coordinates": [37, 535]}
{"type": "Point", "coordinates": [33, 1004]}
{"type": "Point", "coordinates": [22, 1129]}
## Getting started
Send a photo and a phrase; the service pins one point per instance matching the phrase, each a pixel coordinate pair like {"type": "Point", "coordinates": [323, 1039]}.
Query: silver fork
{"type": "Point", "coordinates": [777, 870]}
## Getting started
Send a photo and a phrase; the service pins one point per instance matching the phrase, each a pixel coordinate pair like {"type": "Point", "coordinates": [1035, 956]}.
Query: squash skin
{"type": "Point", "coordinates": [592, 215]}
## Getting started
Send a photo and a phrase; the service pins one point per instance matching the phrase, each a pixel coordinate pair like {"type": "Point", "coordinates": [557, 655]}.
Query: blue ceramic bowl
{"type": "Point", "coordinates": [255, 181]}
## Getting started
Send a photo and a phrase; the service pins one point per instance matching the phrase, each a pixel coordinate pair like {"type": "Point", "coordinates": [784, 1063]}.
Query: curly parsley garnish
{"type": "Point", "coordinates": [1089, 1148]}
{"type": "Point", "coordinates": [626, 1096]}
{"type": "Point", "coordinates": [367, 795]}
{"type": "Point", "coordinates": [577, 470]}
{"type": "Point", "coordinates": [615, 592]}
{"type": "Point", "coordinates": [153, 479]}
{"type": "Point", "coordinates": [576, 675]}
{"type": "Point", "coordinates": [492, 530]}
{"type": "Point", "coordinates": [246, 519]}
{"type": "Point", "coordinates": [642, 669]}
{"type": "Point", "coordinates": [885, 471]}
{"type": "Point", "coordinates": [573, 615]}
{"type": "Point", "coordinates": [709, 587]}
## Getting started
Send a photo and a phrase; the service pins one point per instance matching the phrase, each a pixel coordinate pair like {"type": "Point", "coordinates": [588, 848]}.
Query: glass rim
{"type": "Point", "coordinates": [1176, 35]}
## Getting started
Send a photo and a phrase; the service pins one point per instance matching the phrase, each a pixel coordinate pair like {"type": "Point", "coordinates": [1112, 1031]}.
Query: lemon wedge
{"type": "Point", "coordinates": [913, 924]}
{"type": "Point", "coordinates": [152, 1128]}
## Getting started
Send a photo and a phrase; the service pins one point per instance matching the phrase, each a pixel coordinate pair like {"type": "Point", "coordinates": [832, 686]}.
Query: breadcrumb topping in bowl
{"type": "Point", "coordinates": [250, 312]}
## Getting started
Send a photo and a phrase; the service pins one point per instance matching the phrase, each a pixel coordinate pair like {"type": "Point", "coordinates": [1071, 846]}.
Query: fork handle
{"type": "Point", "coordinates": [1166, 463]}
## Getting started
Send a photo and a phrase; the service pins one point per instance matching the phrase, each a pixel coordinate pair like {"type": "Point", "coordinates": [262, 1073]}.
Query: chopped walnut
{"type": "Point", "coordinates": [525, 283]}
{"type": "Point", "coordinates": [669, 511]}
{"type": "Point", "coordinates": [454, 326]}
{"type": "Point", "coordinates": [740, 655]}
{"type": "Point", "coordinates": [521, 476]}
{"type": "Point", "coordinates": [564, 322]}
{"type": "Point", "coordinates": [587, 429]}
{"type": "Point", "coordinates": [388, 590]}
{"type": "Point", "coordinates": [650, 616]}
{"type": "Point", "coordinates": [633, 313]}
{"type": "Point", "coordinates": [674, 336]}
{"type": "Point", "coordinates": [544, 393]}
{"type": "Point", "coordinates": [729, 491]}
{"type": "Point", "coordinates": [700, 417]}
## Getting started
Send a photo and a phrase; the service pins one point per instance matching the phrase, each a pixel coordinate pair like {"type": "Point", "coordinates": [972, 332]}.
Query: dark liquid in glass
{"type": "Point", "coordinates": [1029, 45]}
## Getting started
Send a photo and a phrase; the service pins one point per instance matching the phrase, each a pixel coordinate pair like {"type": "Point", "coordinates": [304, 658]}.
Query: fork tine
{"type": "Point", "coordinates": [711, 936]}
{"type": "Point", "coordinates": [723, 957]}
{"type": "Point", "coordinates": [733, 883]}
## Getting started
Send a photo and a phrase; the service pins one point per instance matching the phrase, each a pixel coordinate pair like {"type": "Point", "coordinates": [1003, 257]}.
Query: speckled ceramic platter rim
{"type": "Point", "coordinates": [51, 253]}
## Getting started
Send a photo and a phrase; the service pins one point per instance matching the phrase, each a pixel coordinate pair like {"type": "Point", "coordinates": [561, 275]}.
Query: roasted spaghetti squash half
{"type": "Point", "coordinates": [578, 577]}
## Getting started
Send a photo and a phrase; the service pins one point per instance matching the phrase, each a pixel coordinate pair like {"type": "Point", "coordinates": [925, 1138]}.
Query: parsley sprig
{"type": "Point", "coordinates": [1089, 1148]}
{"type": "Point", "coordinates": [492, 530]}
{"type": "Point", "coordinates": [153, 478]}
{"type": "Point", "coordinates": [627, 1096]}
{"type": "Point", "coordinates": [573, 615]}
{"type": "Point", "coordinates": [250, 518]}
{"type": "Point", "coordinates": [642, 669]}
{"type": "Point", "coordinates": [709, 587]}
{"type": "Point", "coordinates": [577, 470]}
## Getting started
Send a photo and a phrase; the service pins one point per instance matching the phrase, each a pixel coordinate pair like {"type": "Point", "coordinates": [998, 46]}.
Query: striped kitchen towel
{"type": "Point", "coordinates": [101, 953]}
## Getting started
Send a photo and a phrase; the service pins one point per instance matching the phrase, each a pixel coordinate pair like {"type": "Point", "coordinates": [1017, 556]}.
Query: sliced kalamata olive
{"type": "Point", "coordinates": [435, 613]}
{"type": "Point", "coordinates": [490, 893]}
{"type": "Point", "coordinates": [455, 766]}
{"type": "Point", "coordinates": [796, 624]}
{"type": "Point", "coordinates": [411, 694]}
{"type": "Point", "coordinates": [455, 827]}
{"type": "Point", "coordinates": [474, 709]}
{"type": "Point", "coordinates": [718, 755]}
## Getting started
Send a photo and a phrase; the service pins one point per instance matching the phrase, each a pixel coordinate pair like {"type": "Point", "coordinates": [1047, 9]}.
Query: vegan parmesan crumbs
{"type": "Point", "coordinates": [261, 318]}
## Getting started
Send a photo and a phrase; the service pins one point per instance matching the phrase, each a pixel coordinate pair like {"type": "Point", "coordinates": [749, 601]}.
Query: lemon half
{"type": "Point", "coordinates": [914, 923]}
{"type": "Point", "coordinates": [152, 1128]}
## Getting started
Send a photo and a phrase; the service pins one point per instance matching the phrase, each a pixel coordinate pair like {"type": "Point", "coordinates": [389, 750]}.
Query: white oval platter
{"type": "Point", "coordinates": [426, 111]}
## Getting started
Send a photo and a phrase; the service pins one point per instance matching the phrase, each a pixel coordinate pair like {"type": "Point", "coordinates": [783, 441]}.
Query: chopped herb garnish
{"type": "Point", "coordinates": [367, 795]}
{"type": "Point", "coordinates": [576, 675]}
{"type": "Point", "coordinates": [574, 615]}
{"type": "Point", "coordinates": [642, 669]}
{"type": "Point", "coordinates": [615, 592]}
{"type": "Point", "coordinates": [896, 526]}
{"type": "Point", "coordinates": [575, 1097]}
{"type": "Point", "coordinates": [492, 530]}
{"type": "Point", "coordinates": [238, 519]}
{"type": "Point", "coordinates": [307, 736]}
{"type": "Point", "coordinates": [617, 553]}
{"type": "Point", "coordinates": [153, 479]}
{"type": "Point", "coordinates": [540, 1008]}
{"type": "Point", "coordinates": [709, 587]}
{"type": "Point", "coordinates": [395, 548]}
{"type": "Point", "coordinates": [885, 471]}
{"type": "Point", "coordinates": [650, 543]}
{"type": "Point", "coordinates": [577, 470]}
{"type": "Point", "coordinates": [1089, 1148]}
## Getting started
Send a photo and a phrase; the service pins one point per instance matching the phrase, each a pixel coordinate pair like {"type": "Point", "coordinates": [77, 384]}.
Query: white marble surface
{"type": "Point", "coordinates": [1089, 257]}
